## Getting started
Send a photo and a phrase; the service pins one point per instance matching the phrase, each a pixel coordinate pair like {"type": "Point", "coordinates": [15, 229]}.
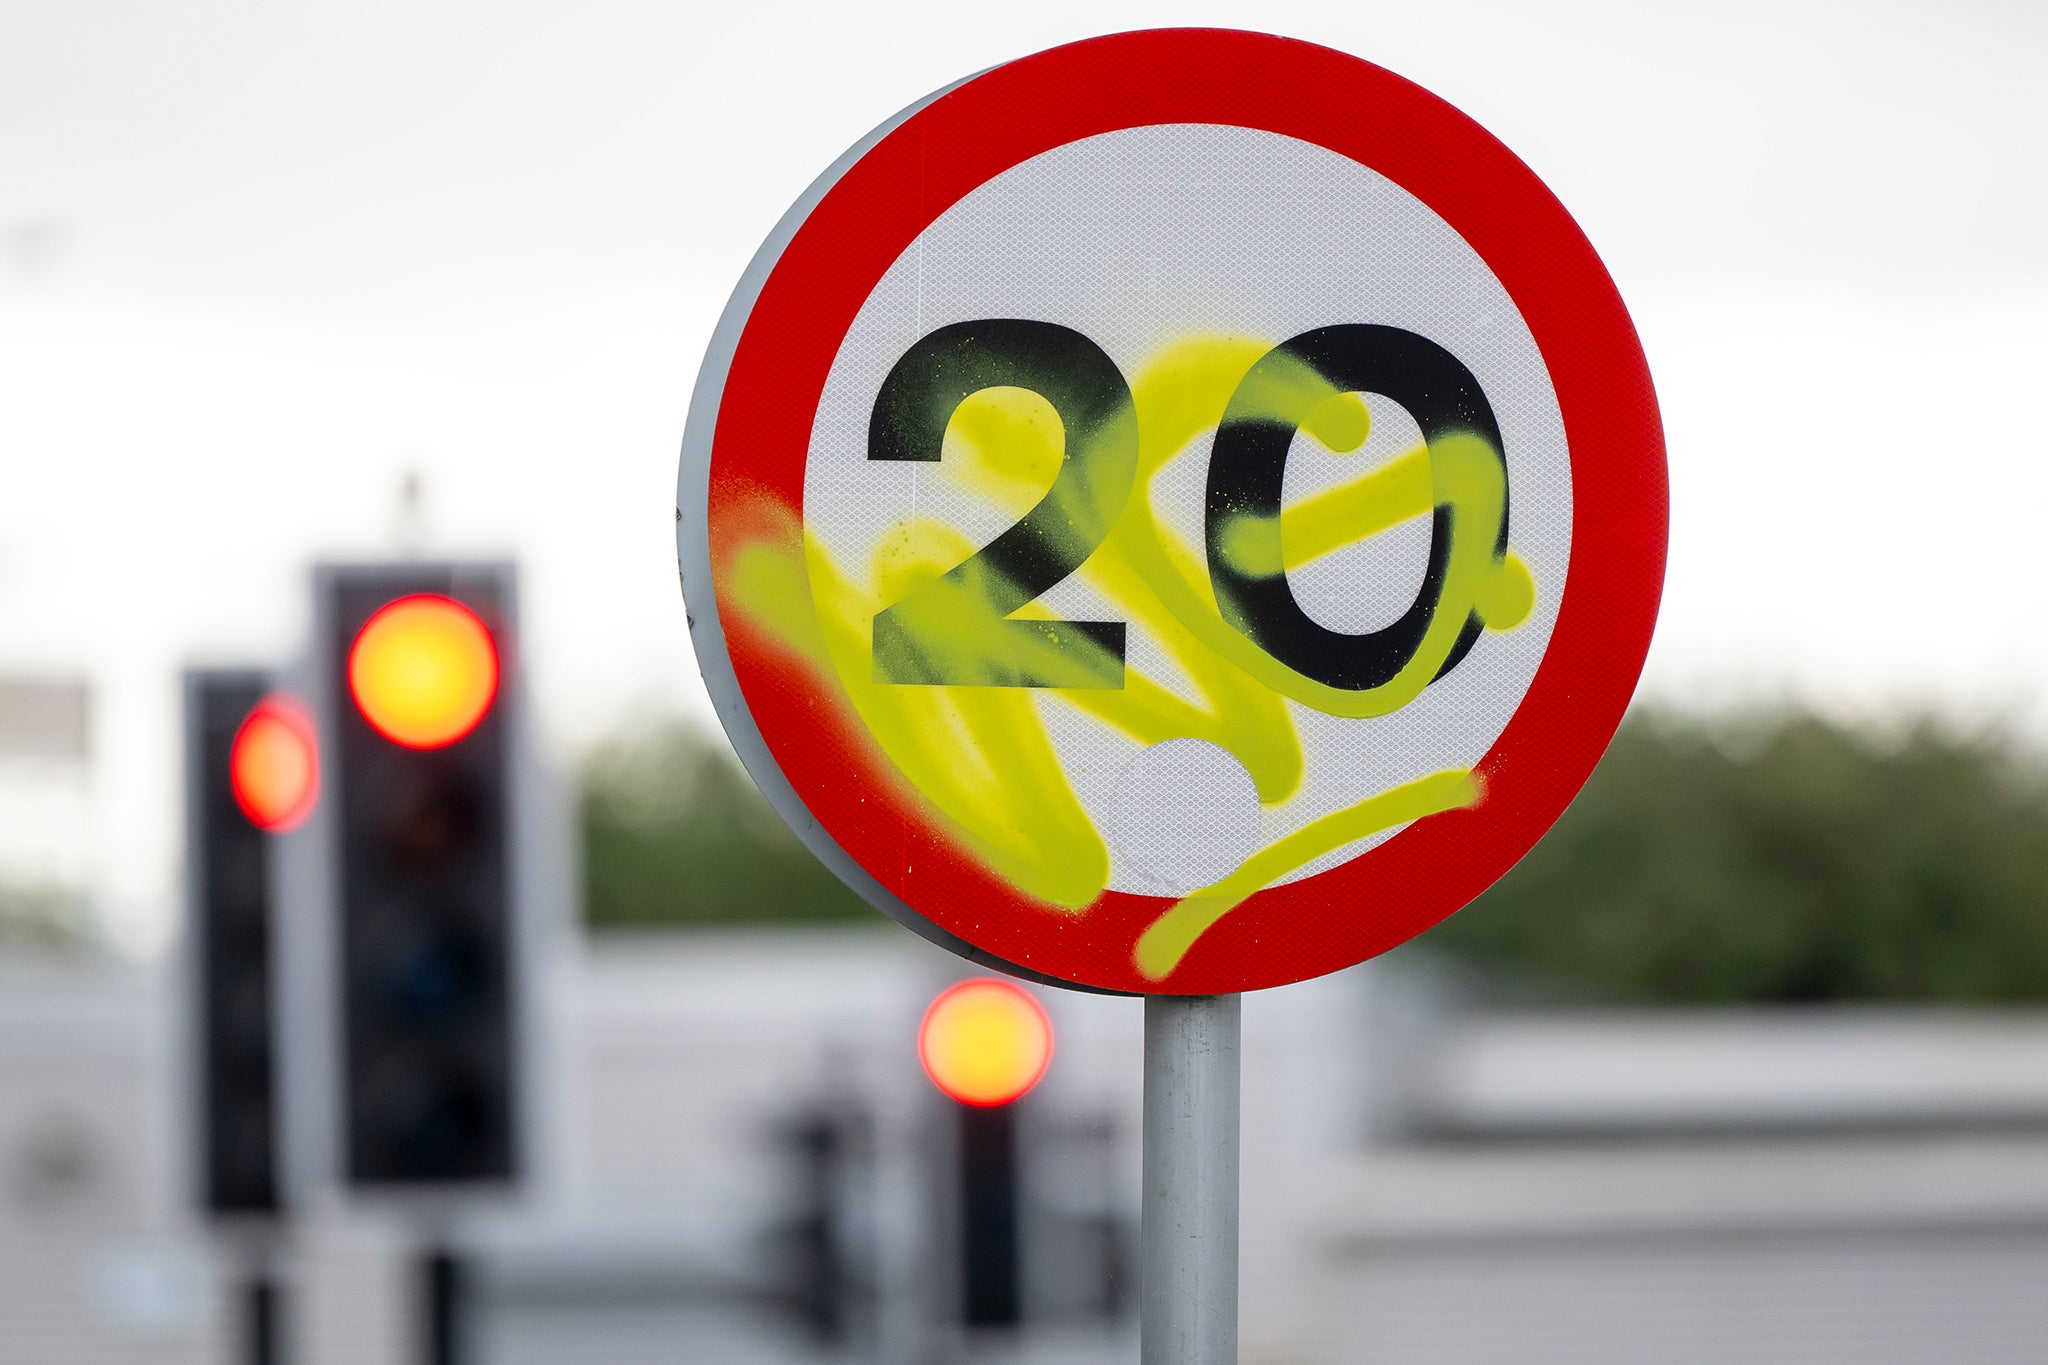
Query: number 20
{"type": "Point", "coordinates": [957, 629]}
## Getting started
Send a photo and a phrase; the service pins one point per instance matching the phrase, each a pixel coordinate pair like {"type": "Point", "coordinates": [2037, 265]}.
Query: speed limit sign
{"type": "Point", "coordinates": [1179, 513]}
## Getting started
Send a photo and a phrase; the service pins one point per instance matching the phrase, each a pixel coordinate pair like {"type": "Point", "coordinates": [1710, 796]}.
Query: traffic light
{"type": "Point", "coordinates": [985, 1043]}
{"type": "Point", "coordinates": [822, 1272]}
{"type": "Point", "coordinates": [251, 770]}
{"type": "Point", "coordinates": [415, 666]}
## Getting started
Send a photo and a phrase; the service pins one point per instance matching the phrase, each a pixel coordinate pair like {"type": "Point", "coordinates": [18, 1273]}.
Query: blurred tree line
{"type": "Point", "coordinates": [1786, 859]}
{"type": "Point", "coordinates": [674, 833]}
{"type": "Point", "coordinates": [40, 917]}
{"type": "Point", "coordinates": [1783, 858]}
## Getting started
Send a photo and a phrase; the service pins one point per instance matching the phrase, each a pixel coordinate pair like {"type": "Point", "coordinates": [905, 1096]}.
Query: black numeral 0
{"type": "Point", "coordinates": [953, 629]}
{"type": "Point", "coordinates": [1249, 464]}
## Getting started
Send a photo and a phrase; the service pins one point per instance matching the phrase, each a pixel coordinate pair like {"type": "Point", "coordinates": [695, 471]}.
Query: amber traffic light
{"type": "Point", "coordinates": [985, 1042]}
{"type": "Point", "coordinates": [423, 671]}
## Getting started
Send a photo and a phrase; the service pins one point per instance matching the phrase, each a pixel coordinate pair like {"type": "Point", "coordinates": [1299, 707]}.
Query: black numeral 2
{"type": "Point", "coordinates": [954, 629]}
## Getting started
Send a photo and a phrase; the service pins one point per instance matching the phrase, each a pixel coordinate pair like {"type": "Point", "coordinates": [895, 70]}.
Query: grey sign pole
{"type": "Point", "coordinates": [1188, 1279]}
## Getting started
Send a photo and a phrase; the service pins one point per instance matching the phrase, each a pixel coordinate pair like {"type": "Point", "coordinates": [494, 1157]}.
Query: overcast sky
{"type": "Point", "coordinates": [257, 260]}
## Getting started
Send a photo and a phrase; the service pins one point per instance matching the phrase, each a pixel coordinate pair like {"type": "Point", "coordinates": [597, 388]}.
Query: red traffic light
{"type": "Point", "coordinates": [274, 764]}
{"type": "Point", "coordinates": [985, 1042]}
{"type": "Point", "coordinates": [423, 671]}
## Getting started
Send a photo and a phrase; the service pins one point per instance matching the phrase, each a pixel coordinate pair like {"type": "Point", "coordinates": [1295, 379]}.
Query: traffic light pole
{"type": "Point", "coordinates": [261, 1334]}
{"type": "Point", "coordinates": [1188, 1281]}
{"type": "Point", "coordinates": [442, 1318]}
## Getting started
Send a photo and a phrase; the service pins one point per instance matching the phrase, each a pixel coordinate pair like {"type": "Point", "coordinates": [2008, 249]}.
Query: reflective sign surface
{"type": "Point", "coordinates": [1189, 534]}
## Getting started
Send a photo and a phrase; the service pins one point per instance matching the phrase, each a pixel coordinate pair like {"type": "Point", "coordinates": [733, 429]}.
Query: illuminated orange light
{"type": "Point", "coordinates": [985, 1042]}
{"type": "Point", "coordinates": [423, 671]}
{"type": "Point", "coordinates": [274, 764]}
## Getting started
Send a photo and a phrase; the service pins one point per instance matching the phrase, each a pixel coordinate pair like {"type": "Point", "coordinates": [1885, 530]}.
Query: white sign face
{"type": "Point", "coordinates": [1182, 512]}
{"type": "Point", "coordinates": [1131, 239]}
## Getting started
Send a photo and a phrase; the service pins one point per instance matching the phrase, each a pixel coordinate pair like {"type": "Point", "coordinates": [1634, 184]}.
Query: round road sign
{"type": "Point", "coordinates": [1181, 512]}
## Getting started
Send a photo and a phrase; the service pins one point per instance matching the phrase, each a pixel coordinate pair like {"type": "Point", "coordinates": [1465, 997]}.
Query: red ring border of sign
{"type": "Point", "coordinates": [887, 195]}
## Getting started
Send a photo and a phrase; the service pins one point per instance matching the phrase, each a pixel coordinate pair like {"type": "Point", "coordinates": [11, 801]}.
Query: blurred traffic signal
{"type": "Point", "coordinates": [415, 664]}
{"type": "Point", "coordinates": [822, 1273]}
{"type": "Point", "coordinates": [423, 671]}
{"type": "Point", "coordinates": [985, 1043]}
{"type": "Point", "coordinates": [249, 768]}
{"type": "Point", "coordinates": [991, 1235]}
{"type": "Point", "coordinates": [274, 765]}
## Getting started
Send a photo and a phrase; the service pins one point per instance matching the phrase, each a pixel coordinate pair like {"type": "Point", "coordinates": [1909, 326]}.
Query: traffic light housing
{"type": "Point", "coordinates": [822, 1270]}
{"type": "Point", "coordinates": [1029, 1203]}
{"type": "Point", "coordinates": [991, 1213]}
{"type": "Point", "coordinates": [250, 770]}
{"type": "Point", "coordinates": [414, 664]}
{"type": "Point", "coordinates": [985, 1043]}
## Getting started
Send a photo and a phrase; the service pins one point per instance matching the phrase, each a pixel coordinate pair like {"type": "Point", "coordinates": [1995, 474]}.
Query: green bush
{"type": "Point", "coordinates": [1788, 859]}
{"type": "Point", "coordinates": [1725, 859]}
{"type": "Point", "coordinates": [41, 916]}
{"type": "Point", "coordinates": [675, 834]}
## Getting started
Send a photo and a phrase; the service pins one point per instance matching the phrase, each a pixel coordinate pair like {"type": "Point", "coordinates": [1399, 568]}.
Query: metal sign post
{"type": "Point", "coordinates": [1188, 1279]}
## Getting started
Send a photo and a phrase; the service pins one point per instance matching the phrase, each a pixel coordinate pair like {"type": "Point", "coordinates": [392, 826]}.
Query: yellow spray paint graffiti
{"type": "Point", "coordinates": [983, 756]}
